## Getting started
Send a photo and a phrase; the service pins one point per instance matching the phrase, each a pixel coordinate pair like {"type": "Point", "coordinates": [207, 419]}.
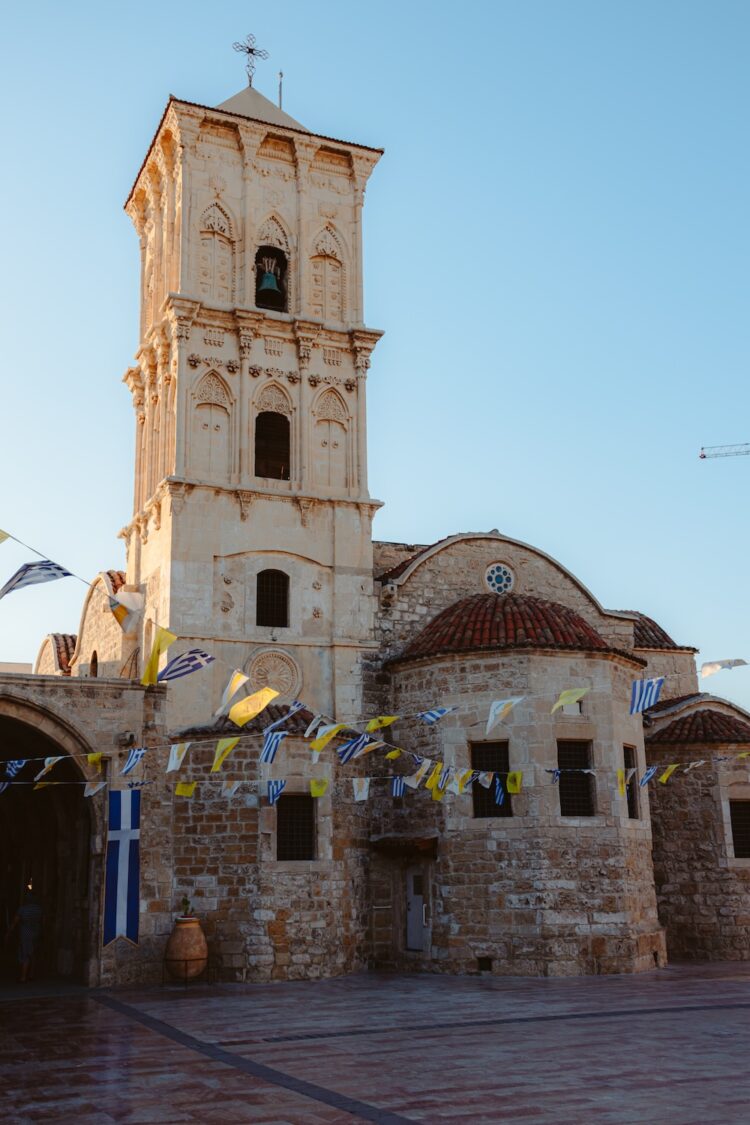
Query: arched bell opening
{"type": "Point", "coordinates": [45, 845]}
{"type": "Point", "coordinates": [271, 279]}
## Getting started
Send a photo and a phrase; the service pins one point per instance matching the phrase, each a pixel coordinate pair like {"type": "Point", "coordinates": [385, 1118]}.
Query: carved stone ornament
{"type": "Point", "coordinates": [246, 344]}
{"type": "Point", "coordinates": [313, 380]}
{"type": "Point", "coordinates": [194, 360]}
{"type": "Point", "coordinates": [305, 507]}
{"type": "Point", "coordinates": [350, 384]}
{"type": "Point", "coordinates": [272, 234]}
{"type": "Point", "coordinates": [273, 398]}
{"type": "Point", "coordinates": [317, 611]}
{"type": "Point", "coordinates": [217, 184]}
{"type": "Point", "coordinates": [232, 366]}
{"type": "Point", "coordinates": [332, 356]}
{"type": "Point", "coordinates": [327, 245]}
{"type": "Point", "coordinates": [317, 584]}
{"type": "Point", "coordinates": [273, 345]}
{"type": "Point", "coordinates": [254, 371]}
{"type": "Point", "coordinates": [275, 669]}
{"type": "Point", "coordinates": [216, 219]}
{"type": "Point", "coordinates": [330, 408]}
{"type": "Point", "coordinates": [212, 390]}
{"type": "Point", "coordinates": [245, 498]}
{"type": "Point", "coordinates": [292, 377]}
{"type": "Point", "coordinates": [214, 337]}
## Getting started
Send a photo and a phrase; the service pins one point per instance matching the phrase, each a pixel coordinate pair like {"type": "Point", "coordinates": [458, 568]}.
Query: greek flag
{"type": "Point", "coordinates": [499, 790]}
{"type": "Point", "coordinates": [14, 767]}
{"type": "Point", "coordinates": [435, 714]}
{"type": "Point", "coordinates": [191, 661]}
{"type": "Point", "coordinates": [134, 757]}
{"type": "Point", "coordinates": [271, 743]}
{"type": "Point", "coordinates": [122, 869]}
{"type": "Point", "coordinates": [555, 775]}
{"type": "Point", "coordinates": [275, 789]}
{"type": "Point", "coordinates": [397, 786]}
{"type": "Point", "coordinates": [353, 748]}
{"type": "Point", "coordinates": [645, 694]}
{"type": "Point", "coordinates": [293, 709]}
{"type": "Point", "coordinates": [647, 776]}
{"type": "Point", "coordinates": [33, 573]}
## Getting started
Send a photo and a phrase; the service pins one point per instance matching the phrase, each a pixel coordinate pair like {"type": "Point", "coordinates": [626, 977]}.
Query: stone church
{"type": "Point", "coordinates": [251, 538]}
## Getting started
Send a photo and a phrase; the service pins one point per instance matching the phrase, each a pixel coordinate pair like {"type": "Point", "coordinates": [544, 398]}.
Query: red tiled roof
{"type": "Point", "coordinates": [116, 578]}
{"type": "Point", "coordinates": [298, 723]}
{"type": "Point", "coordinates": [702, 726]}
{"type": "Point", "coordinates": [647, 633]}
{"type": "Point", "coordinates": [492, 621]}
{"type": "Point", "coordinates": [665, 704]}
{"type": "Point", "coordinates": [397, 570]}
{"type": "Point", "coordinates": [65, 646]}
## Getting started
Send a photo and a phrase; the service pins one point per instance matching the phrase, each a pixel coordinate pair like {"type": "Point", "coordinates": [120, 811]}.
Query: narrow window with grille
{"type": "Point", "coordinates": [295, 827]}
{"type": "Point", "coordinates": [739, 812]}
{"type": "Point", "coordinates": [631, 787]}
{"type": "Point", "coordinates": [576, 789]}
{"type": "Point", "coordinates": [490, 756]}
{"type": "Point", "coordinates": [272, 598]}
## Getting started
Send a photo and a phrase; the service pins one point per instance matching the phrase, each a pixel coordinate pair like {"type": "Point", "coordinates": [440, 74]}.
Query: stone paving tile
{"type": "Point", "coordinates": [423, 1048]}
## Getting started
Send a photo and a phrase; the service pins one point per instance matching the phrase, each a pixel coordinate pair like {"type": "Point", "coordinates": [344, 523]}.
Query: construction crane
{"type": "Point", "coordinates": [724, 451]}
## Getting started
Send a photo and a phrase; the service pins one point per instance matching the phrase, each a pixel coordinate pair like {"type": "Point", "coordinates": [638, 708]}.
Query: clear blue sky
{"type": "Point", "coordinates": [556, 245]}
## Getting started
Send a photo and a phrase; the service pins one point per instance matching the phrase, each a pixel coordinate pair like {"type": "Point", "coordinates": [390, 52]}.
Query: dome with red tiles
{"type": "Point", "coordinates": [489, 621]}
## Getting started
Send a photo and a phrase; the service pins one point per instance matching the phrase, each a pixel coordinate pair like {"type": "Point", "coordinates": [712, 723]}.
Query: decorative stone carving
{"type": "Point", "coordinates": [273, 345]}
{"type": "Point", "coordinates": [317, 611]}
{"type": "Point", "coordinates": [273, 398]}
{"type": "Point", "coordinates": [232, 366]}
{"type": "Point", "coordinates": [194, 359]}
{"type": "Point", "coordinates": [330, 408]}
{"type": "Point", "coordinates": [313, 380]}
{"type": "Point", "coordinates": [254, 371]}
{"type": "Point", "coordinates": [214, 337]}
{"type": "Point", "coordinates": [275, 669]}
{"type": "Point", "coordinates": [212, 390]}
{"type": "Point", "coordinates": [215, 219]}
{"type": "Point", "coordinates": [272, 234]}
{"type": "Point", "coordinates": [245, 498]}
{"type": "Point", "coordinates": [305, 507]}
{"type": "Point", "coordinates": [292, 377]}
{"type": "Point", "coordinates": [332, 356]}
{"type": "Point", "coordinates": [350, 384]}
{"type": "Point", "coordinates": [317, 584]}
{"type": "Point", "coordinates": [217, 184]}
{"type": "Point", "coordinates": [327, 244]}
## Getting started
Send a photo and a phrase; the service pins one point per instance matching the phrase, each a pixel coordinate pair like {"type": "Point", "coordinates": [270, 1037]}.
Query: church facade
{"type": "Point", "coordinates": [251, 539]}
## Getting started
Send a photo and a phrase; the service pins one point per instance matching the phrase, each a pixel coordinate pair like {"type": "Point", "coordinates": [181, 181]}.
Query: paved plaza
{"type": "Point", "coordinates": [666, 1046]}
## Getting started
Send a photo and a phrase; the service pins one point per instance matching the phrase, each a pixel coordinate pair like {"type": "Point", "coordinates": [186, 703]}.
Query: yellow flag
{"type": "Point", "coordinates": [514, 781]}
{"type": "Point", "coordinates": [162, 641]}
{"type": "Point", "coordinates": [434, 777]}
{"type": "Point", "coordinates": [48, 764]}
{"type": "Point", "coordinates": [744, 755]}
{"type": "Point", "coordinates": [380, 722]}
{"type": "Point", "coordinates": [3, 535]}
{"type": "Point", "coordinates": [251, 706]}
{"type": "Point", "coordinates": [236, 680]}
{"type": "Point", "coordinates": [462, 779]}
{"type": "Point", "coordinates": [393, 754]}
{"type": "Point", "coordinates": [570, 695]}
{"type": "Point", "coordinates": [325, 734]}
{"type": "Point", "coordinates": [185, 788]}
{"type": "Point", "coordinates": [438, 793]}
{"type": "Point", "coordinates": [95, 760]}
{"type": "Point", "coordinates": [224, 748]}
{"type": "Point", "coordinates": [668, 773]}
{"type": "Point", "coordinates": [318, 788]}
{"type": "Point", "coordinates": [621, 782]}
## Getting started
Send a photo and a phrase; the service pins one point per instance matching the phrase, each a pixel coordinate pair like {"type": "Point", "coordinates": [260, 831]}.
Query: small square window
{"type": "Point", "coordinates": [490, 757]}
{"type": "Point", "coordinates": [576, 788]}
{"type": "Point", "coordinates": [739, 812]}
{"type": "Point", "coordinates": [295, 827]}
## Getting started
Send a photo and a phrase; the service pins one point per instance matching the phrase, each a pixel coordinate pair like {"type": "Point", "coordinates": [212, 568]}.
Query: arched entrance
{"type": "Point", "coordinates": [45, 841]}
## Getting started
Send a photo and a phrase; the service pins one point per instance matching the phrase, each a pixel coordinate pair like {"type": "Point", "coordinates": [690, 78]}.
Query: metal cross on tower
{"type": "Point", "coordinates": [252, 52]}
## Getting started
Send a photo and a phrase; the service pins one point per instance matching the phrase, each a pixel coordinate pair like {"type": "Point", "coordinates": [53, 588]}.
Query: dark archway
{"type": "Point", "coordinates": [45, 840]}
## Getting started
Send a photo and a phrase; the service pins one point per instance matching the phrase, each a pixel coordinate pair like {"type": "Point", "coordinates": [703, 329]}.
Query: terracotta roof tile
{"type": "Point", "coordinates": [116, 578]}
{"type": "Point", "coordinates": [65, 645]}
{"type": "Point", "coordinates": [647, 633]}
{"type": "Point", "coordinates": [297, 724]}
{"type": "Point", "coordinates": [665, 704]}
{"type": "Point", "coordinates": [702, 726]}
{"type": "Point", "coordinates": [397, 570]}
{"type": "Point", "coordinates": [492, 621]}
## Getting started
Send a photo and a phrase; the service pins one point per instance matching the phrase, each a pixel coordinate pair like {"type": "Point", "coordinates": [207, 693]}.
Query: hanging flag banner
{"type": "Point", "coordinates": [644, 694]}
{"type": "Point", "coordinates": [647, 776]}
{"type": "Point", "coordinates": [177, 754]}
{"type": "Point", "coordinates": [14, 767]}
{"type": "Point", "coordinates": [95, 760]}
{"type": "Point", "coordinates": [414, 779]}
{"type": "Point", "coordinates": [271, 743]}
{"type": "Point", "coordinates": [294, 707]}
{"type": "Point", "coordinates": [185, 788]}
{"type": "Point", "coordinates": [568, 697]}
{"type": "Point", "coordinates": [48, 764]}
{"type": "Point", "coordinates": [485, 779]}
{"type": "Point", "coordinates": [361, 786]}
{"type": "Point", "coordinates": [317, 720]}
{"type": "Point", "coordinates": [229, 788]}
{"type": "Point", "coordinates": [435, 714]}
{"type": "Point", "coordinates": [514, 781]}
{"type": "Point", "coordinates": [393, 754]}
{"type": "Point", "coordinates": [434, 777]}
{"type": "Point", "coordinates": [380, 722]}
{"type": "Point", "coordinates": [318, 787]}
{"type": "Point", "coordinates": [621, 782]}
{"type": "Point", "coordinates": [499, 709]}
{"type": "Point", "coordinates": [499, 791]}
{"type": "Point", "coordinates": [3, 536]}
{"type": "Point", "coordinates": [465, 780]}
{"type": "Point", "coordinates": [711, 667]}
{"type": "Point", "coordinates": [694, 765]}
{"type": "Point", "coordinates": [191, 661]}
{"type": "Point", "coordinates": [122, 868]}
{"type": "Point", "coordinates": [252, 705]}
{"type": "Point", "coordinates": [353, 748]}
{"type": "Point", "coordinates": [668, 773]}
{"type": "Point", "coordinates": [275, 789]}
{"type": "Point", "coordinates": [224, 748]}
{"type": "Point", "coordinates": [134, 757]}
{"type": "Point", "coordinates": [397, 787]}
{"type": "Point", "coordinates": [93, 787]}
{"type": "Point", "coordinates": [555, 775]}
{"type": "Point", "coordinates": [127, 609]}
{"type": "Point", "coordinates": [162, 640]}
{"type": "Point", "coordinates": [33, 574]}
{"type": "Point", "coordinates": [324, 736]}
{"type": "Point", "coordinates": [236, 681]}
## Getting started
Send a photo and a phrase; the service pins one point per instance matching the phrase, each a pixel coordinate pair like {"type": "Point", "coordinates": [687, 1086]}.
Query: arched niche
{"type": "Point", "coordinates": [272, 273]}
{"type": "Point", "coordinates": [330, 442]}
{"type": "Point", "coordinates": [328, 277]}
{"type": "Point", "coordinates": [210, 445]}
{"type": "Point", "coordinates": [216, 266]}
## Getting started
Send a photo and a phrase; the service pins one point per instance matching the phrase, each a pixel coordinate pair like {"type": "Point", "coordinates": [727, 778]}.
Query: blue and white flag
{"type": "Point", "coordinates": [555, 775]}
{"type": "Point", "coordinates": [191, 661]}
{"type": "Point", "coordinates": [499, 790]}
{"type": "Point", "coordinates": [122, 869]}
{"type": "Point", "coordinates": [134, 757]}
{"type": "Point", "coordinates": [275, 789]}
{"type": "Point", "coordinates": [435, 714]}
{"type": "Point", "coordinates": [294, 707]}
{"type": "Point", "coordinates": [353, 748]}
{"type": "Point", "coordinates": [34, 573]}
{"type": "Point", "coordinates": [647, 776]}
{"type": "Point", "coordinates": [14, 766]}
{"type": "Point", "coordinates": [397, 786]}
{"type": "Point", "coordinates": [644, 694]}
{"type": "Point", "coordinates": [444, 778]}
{"type": "Point", "coordinates": [271, 743]}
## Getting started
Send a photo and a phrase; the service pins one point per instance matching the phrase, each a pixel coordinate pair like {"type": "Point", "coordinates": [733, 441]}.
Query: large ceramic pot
{"type": "Point", "coordinates": [187, 952]}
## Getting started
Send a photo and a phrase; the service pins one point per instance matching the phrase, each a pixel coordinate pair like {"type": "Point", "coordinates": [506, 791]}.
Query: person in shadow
{"type": "Point", "coordinates": [28, 920]}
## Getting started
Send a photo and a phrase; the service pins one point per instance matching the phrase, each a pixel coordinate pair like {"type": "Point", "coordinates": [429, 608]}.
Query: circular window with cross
{"type": "Point", "coordinates": [499, 578]}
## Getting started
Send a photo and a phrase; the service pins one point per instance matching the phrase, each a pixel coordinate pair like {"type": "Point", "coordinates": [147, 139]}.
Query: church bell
{"type": "Point", "coordinates": [268, 281]}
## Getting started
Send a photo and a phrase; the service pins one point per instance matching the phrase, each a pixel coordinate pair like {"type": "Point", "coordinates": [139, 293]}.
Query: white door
{"type": "Point", "coordinates": [416, 908]}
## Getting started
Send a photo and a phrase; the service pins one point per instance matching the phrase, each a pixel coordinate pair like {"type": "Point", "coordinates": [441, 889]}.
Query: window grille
{"type": "Point", "coordinates": [739, 812]}
{"type": "Point", "coordinates": [295, 827]}
{"type": "Point", "coordinates": [576, 789]}
{"type": "Point", "coordinates": [631, 787]}
{"type": "Point", "coordinates": [272, 445]}
{"type": "Point", "coordinates": [490, 756]}
{"type": "Point", "coordinates": [272, 599]}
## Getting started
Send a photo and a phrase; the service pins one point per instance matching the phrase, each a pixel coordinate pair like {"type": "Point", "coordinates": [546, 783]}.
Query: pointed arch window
{"type": "Point", "coordinates": [271, 267]}
{"type": "Point", "coordinates": [272, 445]}
{"type": "Point", "coordinates": [327, 278]}
{"type": "Point", "coordinates": [216, 260]}
{"type": "Point", "coordinates": [272, 599]}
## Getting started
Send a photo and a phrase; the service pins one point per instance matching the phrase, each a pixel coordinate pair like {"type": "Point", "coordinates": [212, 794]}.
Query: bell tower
{"type": "Point", "coordinates": [251, 529]}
